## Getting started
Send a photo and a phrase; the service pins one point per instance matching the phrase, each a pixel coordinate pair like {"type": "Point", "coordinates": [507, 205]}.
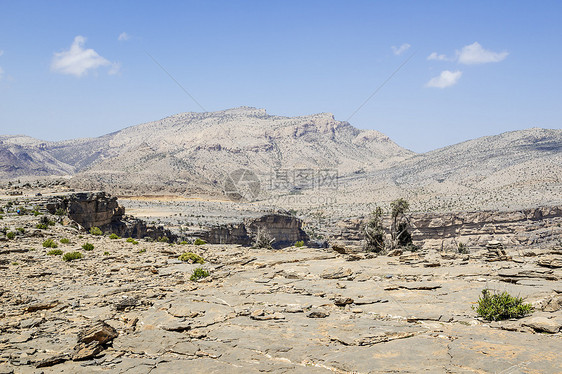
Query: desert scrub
{"type": "Point", "coordinates": [65, 240]}
{"type": "Point", "coordinates": [114, 236]}
{"type": "Point", "coordinates": [96, 231]}
{"type": "Point", "coordinates": [142, 250]}
{"type": "Point", "coordinates": [183, 242]}
{"type": "Point", "coordinates": [462, 249]}
{"type": "Point", "coordinates": [106, 253]}
{"type": "Point", "coordinates": [88, 246]}
{"type": "Point", "coordinates": [60, 212]}
{"type": "Point", "coordinates": [69, 256]}
{"type": "Point", "coordinates": [21, 230]}
{"type": "Point", "coordinates": [10, 235]}
{"type": "Point", "coordinates": [131, 240]}
{"type": "Point", "coordinates": [199, 273]}
{"type": "Point", "coordinates": [199, 242]}
{"type": "Point", "coordinates": [192, 258]}
{"type": "Point", "coordinates": [50, 243]}
{"type": "Point", "coordinates": [55, 252]}
{"type": "Point", "coordinates": [163, 239]}
{"type": "Point", "coordinates": [300, 243]}
{"type": "Point", "coordinates": [500, 306]}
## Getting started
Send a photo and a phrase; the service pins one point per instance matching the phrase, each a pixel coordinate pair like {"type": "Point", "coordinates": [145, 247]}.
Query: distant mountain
{"type": "Point", "coordinates": [194, 152]}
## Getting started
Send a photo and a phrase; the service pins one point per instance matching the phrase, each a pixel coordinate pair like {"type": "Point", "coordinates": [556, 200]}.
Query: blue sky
{"type": "Point", "coordinates": [79, 69]}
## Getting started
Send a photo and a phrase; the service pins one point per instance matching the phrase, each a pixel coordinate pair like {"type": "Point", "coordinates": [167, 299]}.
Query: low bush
{"type": "Point", "coordinates": [114, 236]}
{"type": "Point", "coordinates": [183, 242]}
{"type": "Point", "coordinates": [65, 240]}
{"type": "Point", "coordinates": [50, 243]}
{"type": "Point", "coordinates": [500, 306]}
{"type": "Point", "coordinates": [55, 252]}
{"type": "Point", "coordinates": [191, 258]}
{"type": "Point", "coordinates": [96, 231]}
{"type": "Point", "coordinates": [10, 235]}
{"type": "Point", "coordinates": [199, 273]}
{"type": "Point", "coordinates": [21, 229]}
{"type": "Point", "coordinates": [88, 246]}
{"type": "Point", "coordinates": [131, 240]}
{"type": "Point", "coordinates": [106, 253]}
{"type": "Point", "coordinates": [163, 239]}
{"type": "Point", "coordinates": [142, 250]}
{"type": "Point", "coordinates": [60, 212]}
{"type": "Point", "coordinates": [199, 242]}
{"type": "Point", "coordinates": [69, 256]}
{"type": "Point", "coordinates": [300, 243]}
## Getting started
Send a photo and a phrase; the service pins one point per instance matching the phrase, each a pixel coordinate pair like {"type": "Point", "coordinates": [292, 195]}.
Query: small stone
{"type": "Point", "coordinates": [543, 324]}
{"type": "Point", "coordinates": [318, 314]}
{"type": "Point", "coordinates": [99, 331]}
{"type": "Point", "coordinates": [85, 351]}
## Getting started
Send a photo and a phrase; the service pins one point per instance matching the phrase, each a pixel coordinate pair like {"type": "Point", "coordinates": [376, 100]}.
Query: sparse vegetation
{"type": "Point", "coordinates": [183, 242]}
{"type": "Point", "coordinates": [163, 239]}
{"type": "Point", "coordinates": [199, 241]}
{"type": "Point", "coordinates": [263, 240]}
{"type": "Point", "coordinates": [299, 243]}
{"type": "Point", "coordinates": [191, 258]}
{"type": "Point", "coordinates": [55, 252]}
{"type": "Point", "coordinates": [70, 256]}
{"type": "Point", "coordinates": [500, 306]}
{"type": "Point", "coordinates": [400, 236]}
{"type": "Point", "coordinates": [106, 253]}
{"type": "Point", "coordinates": [88, 246]}
{"type": "Point", "coordinates": [21, 230]}
{"type": "Point", "coordinates": [199, 273]}
{"type": "Point", "coordinates": [142, 250]}
{"type": "Point", "coordinates": [462, 249]}
{"type": "Point", "coordinates": [50, 243]}
{"type": "Point", "coordinates": [65, 240]}
{"type": "Point", "coordinates": [131, 240]}
{"type": "Point", "coordinates": [60, 212]}
{"type": "Point", "coordinates": [96, 231]}
{"type": "Point", "coordinates": [374, 232]}
{"type": "Point", "coordinates": [114, 236]}
{"type": "Point", "coordinates": [10, 235]}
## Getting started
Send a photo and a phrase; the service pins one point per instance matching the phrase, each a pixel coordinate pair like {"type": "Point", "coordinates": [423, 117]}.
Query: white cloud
{"type": "Point", "coordinates": [115, 68]}
{"type": "Point", "coordinates": [399, 50]}
{"type": "Point", "coordinates": [77, 61]}
{"type": "Point", "coordinates": [435, 56]}
{"type": "Point", "coordinates": [1, 52]}
{"type": "Point", "coordinates": [1, 73]}
{"type": "Point", "coordinates": [445, 79]}
{"type": "Point", "coordinates": [475, 54]}
{"type": "Point", "coordinates": [123, 37]}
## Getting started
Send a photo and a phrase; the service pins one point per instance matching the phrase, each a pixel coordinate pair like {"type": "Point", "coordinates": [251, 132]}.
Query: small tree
{"type": "Point", "coordinates": [374, 232]}
{"type": "Point", "coordinates": [400, 236]}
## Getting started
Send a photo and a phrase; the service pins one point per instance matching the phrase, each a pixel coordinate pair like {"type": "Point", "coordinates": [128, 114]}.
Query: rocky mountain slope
{"type": "Point", "coordinates": [194, 153]}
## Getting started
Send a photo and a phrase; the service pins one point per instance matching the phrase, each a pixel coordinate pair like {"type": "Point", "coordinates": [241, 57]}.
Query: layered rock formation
{"type": "Point", "coordinates": [284, 229]}
{"type": "Point", "coordinates": [445, 231]}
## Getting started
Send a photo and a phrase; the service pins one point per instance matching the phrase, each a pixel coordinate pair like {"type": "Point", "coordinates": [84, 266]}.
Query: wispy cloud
{"type": "Point", "coordinates": [447, 78]}
{"type": "Point", "coordinates": [1, 73]}
{"type": "Point", "coordinates": [115, 68]}
{"type": "Point", "coordinates": [399, 50]}
{"type": "Point", "coordinates": [1, 52]}
{"type": "Point", "coordinates": [436, 56]}
{"type": "Point", "coordinates": [123, 37]}
{"type": "Point", "coordinates": [475, 54]}
{"type": "Point", "coordinates": [77, 61]}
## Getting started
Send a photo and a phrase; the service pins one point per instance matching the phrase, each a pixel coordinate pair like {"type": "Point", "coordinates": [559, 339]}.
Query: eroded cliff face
{"type": "Point", "coordinates": [284, 228]}
{"type": "Point", "coordinates": [444, 231]}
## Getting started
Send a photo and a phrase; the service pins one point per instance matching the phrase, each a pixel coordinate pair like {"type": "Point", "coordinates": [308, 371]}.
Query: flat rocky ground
{"type": "Point", "coordinates": [280, 311]}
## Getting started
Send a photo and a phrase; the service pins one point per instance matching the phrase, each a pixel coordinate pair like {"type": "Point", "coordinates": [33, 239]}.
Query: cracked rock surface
{"type": "Point", "coordinates": [126, 308]}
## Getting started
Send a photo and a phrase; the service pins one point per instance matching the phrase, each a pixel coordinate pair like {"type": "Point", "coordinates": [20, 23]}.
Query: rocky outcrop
{"type": "Point", "coordinates": [284, 228]}
{"type": "Point", "coordinates": [441, 231]}
{"type": "Point", "coordinates": [100, 209]}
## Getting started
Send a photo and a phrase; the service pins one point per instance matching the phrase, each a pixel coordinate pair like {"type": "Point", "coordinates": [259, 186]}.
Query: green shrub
{"type": "Point", "coordinates": [21, 229]}
{"type": "Point", "coordinates": [96, 231]}
{"type": "Point", "coordinates": [69, 256]}
{"type": "Point", "coordinates": [199, 273]}
{"type": "Point", "coordinates": [131, 240]}
{"type": "Point", "coordinates": [60, 212]}
{"type": "Point", "coordinates": [1, 217]}
{"type": "Point", "coordinates": [55, 252]}
{"type": "Point", "coordinates": [142, 250]}
{"type": "Point", "coordinates": [300, 243]}
{"type": "Point", "coordinates": [163, 239]}
{"type": "Point", "coordinates": [50, 243]}
{"type": "Point", "coordinates": [36, 213]}
{"type": "Point", "coordinates": [65, 240]}
{"type": "Point", "coordinates": [183, 242]}
{"type": "Point", "coordinates": [11, 235]}
{"type": "Point", "coordinates": [500, 306]}
{"type": "Point", "coordinates": [42, 226]}
{"type": "Point", "coordinates": [199, 242]}
{"type": "Point", "coordinates": [114, 236]}
{"type": "Point", "coordinates": [462, 249]}
{"type": "Point", "coordinates": [88, 246]}
{"type": "Point", "coordinates": [106, 253]}
{"type": "Point", "coordinates": [191, 258]}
